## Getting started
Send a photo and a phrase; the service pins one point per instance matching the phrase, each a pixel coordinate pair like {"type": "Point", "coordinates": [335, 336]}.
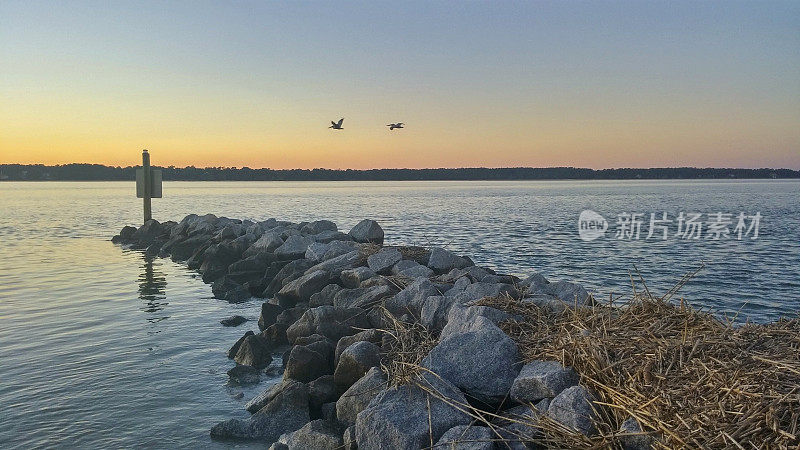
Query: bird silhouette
{"type": "Point", "coordinates": [392, 126]}
{"type": "Point", "coordinates": [337, 125]}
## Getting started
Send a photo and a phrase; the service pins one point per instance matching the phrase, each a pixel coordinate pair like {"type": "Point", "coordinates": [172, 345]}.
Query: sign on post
{"type": "Point", "coordinates": [155, 183]}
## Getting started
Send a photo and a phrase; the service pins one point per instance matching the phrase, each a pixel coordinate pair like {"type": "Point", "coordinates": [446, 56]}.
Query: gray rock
{"type": "Point", "coordinates": [317, 434]}
{"type": "Point", "coordinates": [268, 242]}
{"type": "Point", "coordinates": [371, 335]}
{"type": "Point", "coordinates": [358, 396]}
{"type": "Point", "coordinates": [571, 293]}
{"type": "Point", "coordinates": [461, 319]}
{"type": "Point", "coordinates": [367, 231]}
{"type": "Point", "coordinates": [409, 416]}
{"type": "Point", "coordinates": [301, 289]}
{"type": "Point", "coordinates": [269, 315]}
{"type": "Point", "coordinates": [404, 265]}
{"type": "Point", "coordinates": [332, 236]}
{"type": "Point", "coordinates": [352, 278]}
{"type": "Point", "coordinates": [486, 375]}
{"type": "Point", "coordinates": [365, 297]}
{"type": "Point", "coordinates": [291, 315]}
{"type": "Point", "coordinates": [443, 261]}
{"type": "Point", "coordinates": [316, 251]}
{"type": "Point", "coordinates": [278, 446]}
{"type": "Point", "coordinates": [275, 334]}
{"type": "Point", "coordinates": [328, 411]}
{"type": "Point", "coordinates": [329, 321]}
{"type": "Point", "coordinates": [354, 362]}
{"type": "Point", "coordinates": [534, 282]}
{"type": "Point", "coordinates": [542, 379]}
{"type": "Point", "coordinates": [349, 438]}
{"type": "Point", "coordinates": [254, 351]}
{"type": "Point", "coordinates": [415, 271]}
{"type": "Point", "coordinates": [244, 374]}
{"type": "Point", "coordinates": [339, 248]}
{"type": "Point", "coordinates": [318, 226]}
{"type": "Point", "coordinates": [459, 286]}
{"type": "Point", "coordinates": [266, 396]}
{"type": "Point", "coordinates": [235, 348]}
{"type": "Point", "coordinates": [287, 273]}
{"type": "Point", "coordinates": [227, 289]}
{"type": "Point", "coordinates": [547, 303]}
{"type": "Point", "coordinates": [433, 315]}
{"type": "Point", "coordinates": [633, 437]}
{"type": "Point", "coordinates": [383, 261]}
{"type": "Point", "coordinates": [325, 296]}
{"type": "Point", "coordinates": [519, 426]}
{"type": "Point", "coordinates": [320, 391]}
{"type": "Point", "coordinates": [411, 299]}
{"type": "Point", "coordinates": [294, 247]}
{"type": "Point", "coordinates": [305, 364]}
{"type": "Point", "coordinates": [573, 408]}
{"type": "Point", "coordinates": [465, 437]}
{"type": "Point", "coordinates": [339, 263]}
{"type": "Point", "coordinates": [286, 412]}
{"type": "Point", "coordinates": [233, 321]}
{"type": "Point", "coordinates": [476, 291]}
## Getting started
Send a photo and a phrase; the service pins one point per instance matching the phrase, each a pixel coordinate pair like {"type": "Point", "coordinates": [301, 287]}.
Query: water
{"type": "Point", "coordinates": [100, 347]}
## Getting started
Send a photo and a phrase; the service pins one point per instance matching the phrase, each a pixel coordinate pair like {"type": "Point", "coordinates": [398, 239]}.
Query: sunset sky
{"type": "Point", "coordinates": [478, 83]}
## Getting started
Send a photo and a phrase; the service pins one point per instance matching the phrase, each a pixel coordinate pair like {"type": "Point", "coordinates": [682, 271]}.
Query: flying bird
{"type": "Point", "coordinates": [337, 125]}
{"type": "Point", "coordinates": [392, 126]}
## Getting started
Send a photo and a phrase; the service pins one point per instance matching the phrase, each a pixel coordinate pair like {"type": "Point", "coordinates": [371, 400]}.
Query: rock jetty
{"type": "Point", "coordinates": [338, 309]}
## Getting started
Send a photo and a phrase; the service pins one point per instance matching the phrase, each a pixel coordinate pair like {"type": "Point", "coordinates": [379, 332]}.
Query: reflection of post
{"type": "Point", "coordinates": [147, 185]}
{"type": "Point", "coordinates": [152, 287]}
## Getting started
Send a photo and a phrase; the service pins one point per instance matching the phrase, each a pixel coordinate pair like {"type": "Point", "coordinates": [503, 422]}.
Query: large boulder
{"type": "Point", "coordinates": [240, 374]}
{"type": "Point", "coordinates": [317, 434]}
{"type": "Point", "coordinates": [294, 247]}
{"type": "Point", "coordinates": [266, 396]}
{"type": "Point", "coordinates": [542, 379]}
{"type": "Point", "coordinates": [410, 416]}
{"type": "Point", "coordinates": [354, 362]}
{"type": "Point", "coordinates": [318, 226]}
{"type": "Point", "coordinates": [227, 289]}
{"type": "Point", "coordinates": [465, 437]}
{"type": "Point", "coordinates": [325, 296]}
{"type": "Point", "coordinates": [574, 408]}
{"type": "Point", "coordinates": [267, 243]}
{"type": "Point", "coordinates": [301, 289]}
{"type": "Point", "coordinates": [461, 319]}
{"type": "Point", "coordinates": [371, 335]}
{"type": "Point", "coordinates": [316, 251]}
{"type": "Point", "coordinates": [487, 379]}
{"type": "Point", "coordinates": [411, 269]}
{"type": "Point", "coordinates": [320, 391]}
{"type": "Point", "coordinates": [339, 263]}
{"type": "Point", "coordinates": [269, 315]}
{"type": "Point", "coordinates": [365, 297]}
{"type": "Point", "coordinates": [443, 261]}
{"type": "Point", "coordinates": [254, 351]}
{"type": "Point", "coordinates": [367, 231]}
{"type": "Point", "coordinates": [352, 278]}
{"type": "Point", "coordinates": [233, 321]}
{"type": "Point", "coordinates": [287, 273]}
{"type": "Point", "coordinates": [632, 437]}
{"type": "Point", "coordinates": [570, 293]}
{"type": "Point", "coordinates": [358, 396]}
{"type": "Point", "coordinates": [305, 364]}
{"type": "Point", "coordinates": [411, 299]}
{"type": "Point", "coordinates": [329, 321]}
{"type": "Point", "coordinates": [287, 411]}
{"type": "Point", "coordinates": [519, 426]}
{"type": "Point", "coordinates": [235, 348]}
{"type": "Point", "coordinates": [382, 261]}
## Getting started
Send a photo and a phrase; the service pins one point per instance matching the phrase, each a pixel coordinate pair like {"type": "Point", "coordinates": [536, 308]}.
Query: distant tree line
{"type": "Point", "coordinates": [97, 172]}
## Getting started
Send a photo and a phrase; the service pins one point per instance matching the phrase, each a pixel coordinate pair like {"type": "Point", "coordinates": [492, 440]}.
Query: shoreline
{"type": "Point", "coordinates": [381, 343]}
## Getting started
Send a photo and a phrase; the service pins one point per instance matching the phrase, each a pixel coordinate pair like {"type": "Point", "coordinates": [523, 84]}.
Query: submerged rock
{"type": "Point", "coordinates": [233, 321]}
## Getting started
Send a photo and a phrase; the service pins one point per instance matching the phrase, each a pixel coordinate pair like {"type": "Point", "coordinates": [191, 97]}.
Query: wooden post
{"type": "Point", "coordinates": [147, 185]}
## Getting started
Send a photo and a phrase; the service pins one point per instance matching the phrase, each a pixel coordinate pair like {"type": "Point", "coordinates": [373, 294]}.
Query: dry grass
{"type": "Point", "coordinates": [690, 378]}
{"type": "Point", "coordinates": [404, 349]}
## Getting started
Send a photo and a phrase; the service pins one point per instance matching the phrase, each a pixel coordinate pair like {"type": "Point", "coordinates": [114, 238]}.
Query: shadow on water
{"type": "Point", "coordinates": [152, 290]}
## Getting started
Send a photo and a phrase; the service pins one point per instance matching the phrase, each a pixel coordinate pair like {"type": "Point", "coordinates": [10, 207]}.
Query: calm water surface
{"type": "Point", "coordinates": [100, 347]}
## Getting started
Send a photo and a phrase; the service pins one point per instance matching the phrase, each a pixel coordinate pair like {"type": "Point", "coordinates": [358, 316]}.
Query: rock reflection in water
{"type": "Point", "coordinates": [152, 290]}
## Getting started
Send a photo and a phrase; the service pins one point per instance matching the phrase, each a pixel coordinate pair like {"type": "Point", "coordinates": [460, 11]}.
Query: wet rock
{"type": "Point", "coordinates": [227, 289]}
{"type": "Point", "coordinates": [400, 417]}
{"type": "Point", "coordinates": [352, 278]}
{"type": "Point", "coordinates": [125, 235]}
{"type": "Point", "coordinates": [255, 352]}
{"type": "Point", "coordinates": [367, 231]}
{"type": "Point", "coordinates": [542, 379]}
{"type": "Point", "coordinates": [443, 261]}
{"type": "Point", "coordinates": [235, 348]}
{"type": "Point", "coordinates": [324, 296]}
{"type": "Point", "coordinates": [329, 321]}
{"type": "Point", "coordinates": [269, 315]}
{"type": "Point", "coordinates": [244, 374]}
{"type": "Point", "coordinates": [354, 362]}
{"type": "Point", "coordinates": [233, 321]}
{"type": "Point", "coordinates": [275, 334]}
{"type": "Point", "coordinates": [358, 396]}
{"type": "Point", "coordinates": [383, 261]}
{"type": "Point", "coordinates": [301, 289]}
{"type": "Point", "coordinates": [147, 233]}
{"type": "Point", "coordinates": [465, 437]}
{"type": "Point", "coordinates": [487, 379]}
{"type": "Point", "coordinates": [266, 396]}
{"type": "Point", "coordinates": [371, 335]}
{"type": "Point", "coordinates": [365, 297]}
{"type": "Point", "coordinates": [294, 247]}
{"type": "Point", "coordinates": [183, 249]}
{"type": "Point", "coordinates": [573, 408]}
{"type": "Point", "coordinates": [317, 434]}
{"type": "Point", "coordinates": [305, 364]}
{"type": "Point", "coordinates": [286, 412]}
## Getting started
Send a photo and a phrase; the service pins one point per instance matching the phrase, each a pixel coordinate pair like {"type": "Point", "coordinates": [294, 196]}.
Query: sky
{"type": "Point", "coordinates": [478, 83]}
